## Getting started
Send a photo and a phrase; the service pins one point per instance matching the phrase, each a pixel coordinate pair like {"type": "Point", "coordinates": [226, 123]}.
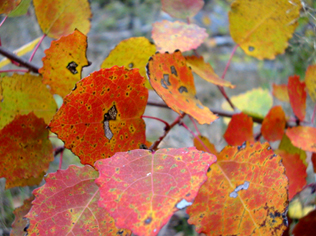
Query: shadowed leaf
{"type": "Point", "coordinates": [273, 125]}
{"type": "Point", "coordinates": [297, 95]}
{"type": "Point", "coordinates": [306, 225]}
{"type": "Point", "coordinates": [182, 8]}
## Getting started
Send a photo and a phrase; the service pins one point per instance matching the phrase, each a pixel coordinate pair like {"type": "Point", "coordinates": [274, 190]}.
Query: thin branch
{"type": "Point", "coordinates": [37, 46]}
{"type": "Point", "coordinates": [195, 126]}
{"type": "Point", "coordinates": [19, 60]}
{"type": "Point", "coordinates": [156, 118]}
{"type": "Point", "coordinates": [229, 61]}
{"type": "Point", "coordinates": [4, 19]}
{"type": "Point", "coordinates": [13, 70]}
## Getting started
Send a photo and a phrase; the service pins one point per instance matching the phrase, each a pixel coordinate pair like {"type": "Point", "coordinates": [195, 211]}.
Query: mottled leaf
{"type": "Point", "coordinates": [239, 130]}
{"type": "Point", "coordinates": [131, 53]}
{"type": "Point", "coordinates": [141, 189]}
{"type": "Point", "coordinates": [297, 95]}
{"type": "Point", "coordinates": [169, 36]}
{"type": "Point", "coordinates": [66, 56]}
{"type": "Point", "coordinates": [59, 18]}
{"type": "Point", "coordinates": [173, 81]}
{"type": "Point", "coordinates": [273, 125]}
{"type": "Point", "coordinates": [182, 8]}
{"type": "Point", "coordinates": [310, 80]}
{"type": "Point", "coordinates": [280, 92]}
{"type": "Point", "coordinates": [68, 204]}
{"type": "Point", "coordinates": [287, 146]}
{"type": "Point", "coordinates": [205, 71]}
{"type": "Point", "coordinates": [306, 225]}
{"type": "Point", "coordinates": [25, 150]}
{"type": "Point", "coordinates": [245, 194]}
{"type": "Point", "coordinates": [6, 6]}
{"type": "Point", "coordinates": [102, 115]}
{"type": "Point", "coordinates": [20, 222]}
{"type": "Point", "coordinates": [21, 9]}
{"type": "Point", "coordinates": [262, 28]}
{"type": "Point", "coordinates": [203, 144]}
{"type": "Point", "coordinates": [303, 137]}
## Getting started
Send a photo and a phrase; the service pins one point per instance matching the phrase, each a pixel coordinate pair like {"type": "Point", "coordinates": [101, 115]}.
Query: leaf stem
{"type": "Point", "coordinates": [4, 19]}
{"type": "Point", "coordinates": [37, 46]}
{"type": "Point", "coordinates": [156, 118]}
{"type": "Point", "coordinates": [229, 61]}
{"type": "Point", "coordinates": [13, 70]}
{"type": "Point", "coordinates": [195, 126]}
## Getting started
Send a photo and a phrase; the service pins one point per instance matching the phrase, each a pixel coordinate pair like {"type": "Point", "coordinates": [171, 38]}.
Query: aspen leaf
{"type": "Point", "coordinates": [182, 8]}
{"type": "Point", "coordinates": [273, 125]}
{"type": "Point", "coordinates": [206, 145]}
{"type": "Point", "coordinates": [313, 159]}
{"type": "Point", "coordinates": [21, 9]}
{"type": "Point", "coordinates": [102, 115]}
{"type": "Point", "coordinates": [245, 194]}
{"type": "Point", "coordinates": [6, 6]}
{"type": "Point", "coordinates": [169, 36]}
{"type": "Point", "coordinates": [306, 225]}
{"type": "Point", "coordinates": [297, 95]}
{"type": "Point", "coordinates": [66, 56]}
{"type": "Point", "coordinates": [310, 80]}
{"type": "Point", "coordinates": [286, 145]}
{"type": "Point", "coordinates": [141, 189]}
{"type": "Point", "coordinates": [303, 137]}
{"type": "Point", "coordinates": [262, 28]}
{"type": "Point", "coordinates": [280, 92]}
{"type": "Point", "coordinates": [173, 81]}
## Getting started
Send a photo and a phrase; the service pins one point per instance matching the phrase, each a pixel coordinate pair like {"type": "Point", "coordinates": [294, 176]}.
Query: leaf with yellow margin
{"type": "Point", "coordinates": [131, 53]}
{"type": "Point", "coordinates": [286, 145]}
{"type": "Point", "coordinates": [310, 81]}
{"type": "Point", "coordinates": [262, 28]}
{"type": "Point", "coordinates": [59, 18]}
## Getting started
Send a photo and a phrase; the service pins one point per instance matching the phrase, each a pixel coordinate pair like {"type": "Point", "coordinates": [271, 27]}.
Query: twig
{"type": "Point", "coordinates": [156, 118]}
{"type": "Point", "coordinates": [195, 126]}
{"type": "Point", "coordinates": [37, 46]}
{"type": "Point", "coordinates": [13, 70]}
{"type": "Point", "coordinates": [4, 19]}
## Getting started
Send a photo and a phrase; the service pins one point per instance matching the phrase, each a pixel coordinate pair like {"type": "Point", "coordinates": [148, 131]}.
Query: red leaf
{"type": "Point", "coordinates": [102, 115]}
{"type": "Point", "coordinates": [25, 151]}
{"type": "Point", "coordinates": [140, 189]}
{"type": "Point", "coordinates": [313, 159]}
{"type": "Point", "coordinates": [68, 204]}
{"type": "Point", "coordinates": [245, 194]}
{"type": "Point", "coordinates": [182, 8]}
{"type": "Point", "coordinates": [303, 137]}
{"type": "Point", "coordinates": [295, 171]}
{"type": "Point", "coordinates": [280, 92]}
{"type": "Point", "coordinates": [273, 125]}
{"type": "Point", "coordinates": [297, 94]}
{"type": "Point", "coordinates": [239, 130]}
{"type": "Point", "coordinates": [306, 225]}
{"type": "Point", "coordinates": [173, 81]}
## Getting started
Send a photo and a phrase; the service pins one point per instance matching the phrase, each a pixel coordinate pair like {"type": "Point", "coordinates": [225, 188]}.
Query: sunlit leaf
{"type": "Point", "coordinates": [182, 8]}
{"type": "Point", "coordinates": [169, 36]}
{"type": "Point", "coordinates": [273, 125]}
{"type": "Point", "coordinates": [23, 94]}
{"type": "Point", "coordinates": [173, 81]}
{"type": "Point", "coordinates": [262, 28]}
{"type": "Point", "coordinates": [6, 6]}
{"type": "Point", "coordinates": [287, 146]}
{"type": "Point", "coordinates": [239, 130]}
{"type": "Point", "coordinates": [280, 92]}
{"type": "Point", "coordinates": [131, 53]}
{"type": "Point", "coordinates": [205, 71]}
{"type": "Point", "coordinates": [206, 145]}
{"type": "Point", "coordinates": [63, 63]}
{"type": "Point", "coordinates": [102, 115]}
{"type": "Point", "coordinates": [297, 95]}
{"type": "Point", "coordinates": [25, 150]}
{"type": "Point", "coordinates": [68, 204]}
{"type": "Point", "coordinates": [141, 189]}
{"type": "Point", "coordinates": [59, 18]}
{"type": "Point", "coordinates": [21, 9]}
{"type": "Point", "coordinates": [245, 194]}
{"type": "Point", "coordinates": [310, 80]}
{"type": "Point", "coordinates": [306, 225]}
{"type": "Point", "coordinates": [303, 137]}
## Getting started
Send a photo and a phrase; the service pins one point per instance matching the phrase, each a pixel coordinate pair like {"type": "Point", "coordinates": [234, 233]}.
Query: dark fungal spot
{"type": "Point", "coordinates": [143, 146]}
{"type": "Point", "coordinates": [166, 79]}
{"type": "Point", "coordinates": [269, 148]}
{"type": "Point", "coordinates": [110, 115]}
{"type": "Point", "coordinates": [242, 146]}
{"type": "Point", "coordinates": [163, 84]}
{"type": "Point", "coordinates": [209, 169]}
{"type": "Point", "coordinates": [74, 87]}
{"type": "Point", "coordinates": [148, 220]}
{"type": "Point", "coordinates": [251, 49]}
{"type": "Point", "coordinates": [183, 89]}
{"type": "Point", "coordinates": [72, 67]}
{"type": "Point", "coordinates": [173, 70]}
{"type": "Point", "coordinates": [131, 65]}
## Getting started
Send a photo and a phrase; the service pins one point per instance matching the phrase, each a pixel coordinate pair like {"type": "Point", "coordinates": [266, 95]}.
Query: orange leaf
{"type": "Point", "coordinates": [297, 94]}
{"type": "Point", "coordinates": [141, 189]}
{"type": "Point", "coordinates": [306, 225]}
{"type": "Point", "coordinates": [295, 171]}
{"type": "Point", "coordinates": [262, 28]}
{"type": "Point", "coordinates": [280, 92]}
{"type": "Point", "coordinates": [303, 137]}
{"type": "Point", "coordinates": [205, 71]}
{"type": "Point", "coordinates": [59, 18]}
{"type": "Point", "coordinates": [102, 115]}
{"type": "Point", "coordinates": [239, 130]}
{"type": "Point", "coordinates": [25, 151]}
{"type": "Point", "coordinates": [245, 194]}
{"type": "Point", "coordinates": [206, 145]}
{"type": "Point", "coordinates": [66, 56]}
{"type": "Point", "coordinates": [6, 6]}
{"type": "Point", "coordinates": [169, 36]}
{"type": "Point", "coordinates": [68, 204]}
{"type": "Point", "coordinates": [182, 8]}
{"type": "Point", "coordinates": [173, 81]}
{"type": "Point", "coordinates": [287, 146]}
{"type": "Point", "coordinates": [273, 125]}
{"type": "Point", "coordinates": [310, 80]}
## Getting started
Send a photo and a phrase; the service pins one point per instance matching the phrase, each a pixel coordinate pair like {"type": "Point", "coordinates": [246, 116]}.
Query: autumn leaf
{"type": "Point", "coordinates": [313, 160]}
{"type": "Point", "coordinates": [286, 145]}
{"type": "Point", "coordinates": [173, 81]}
{"type": "Point", "coordinates": [262, 28]}
{"type": "Point", "coordinates": [66, 56]}
{"type": "Point", "coordinates": [273, 125]}
{"type": "Point", "coordinates": [131, 53]}
{"type": "Point", "coordinates": [239, 130]}
{"type": "Point", "coordinates": [141, 189]}
{"type": "Point", "coordinates": [23, 94]}
{"type": "Point", "coordinates": [59, 18]}
{"type": "Point", "coordinates": [21, 9]}
{"type": "Point", "coordinates": [306, 225]}
{"type": "Point", "coordinates": [295, 171]}
{"type": "Point", "coordinates": [245, 194]}
{"type": "Point", "coordinates": [182, 8]}
{"type": "Point", "coordinates": [25, 150]}
{"type": "Point", "coordinates": [6, 6]}
{"type": "Point", "coordinates": [280, 92]}
{"type": "Point", "coordinates": [102, 115]}
{"type": "Point", "coordinates": [203, 144]}
{"type": "Point", "coordinates": [297, 95]}
{"type": "Point", "coordinates": [169, 36]}
{"type": "Point", "coordinates": [303, 137]}
{"type": "Point", "coordinates": [205, 71]}
{"type": "Point", "coordinates": [68, 204]}
{"type": "Point", "coordinates": [20, 223]}
{"type": "Point", "coordinates": [310, 80]}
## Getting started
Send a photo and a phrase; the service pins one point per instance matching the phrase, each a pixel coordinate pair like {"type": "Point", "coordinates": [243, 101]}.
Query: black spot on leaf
{"type": "Point", "coordinates": [251, 49]}
{"type": "Point", "coordinates": [173, 70]}
{"type": "Point", "coordinates": [148, 220]}
{"type": "Point", "coordinates": [183, 89]}
{"type": "Point", "coordinates": [166, 79]}
{"type": "Point", "coordinates": [110, 115]}
{"type": "Point", "coordinates": [72, 67]}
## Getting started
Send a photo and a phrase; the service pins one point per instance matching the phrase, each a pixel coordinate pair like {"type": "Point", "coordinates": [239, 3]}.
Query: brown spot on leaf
{"type": "Point", "coordinates": [183, 89]}
{"type": "Point", "coordinates": [72, 67]}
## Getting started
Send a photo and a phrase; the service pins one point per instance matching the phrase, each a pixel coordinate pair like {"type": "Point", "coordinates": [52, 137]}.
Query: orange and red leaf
{"type": "Point", "coordinates": [297, 95]}
{"type": "Point", "coordinates": [303, 137]}
{"type": "Point", "coordinates": [273, 125]}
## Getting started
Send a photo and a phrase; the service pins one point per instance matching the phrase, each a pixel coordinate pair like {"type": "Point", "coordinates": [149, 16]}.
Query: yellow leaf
{"type": "Point", "coordinates": [310, 80]}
